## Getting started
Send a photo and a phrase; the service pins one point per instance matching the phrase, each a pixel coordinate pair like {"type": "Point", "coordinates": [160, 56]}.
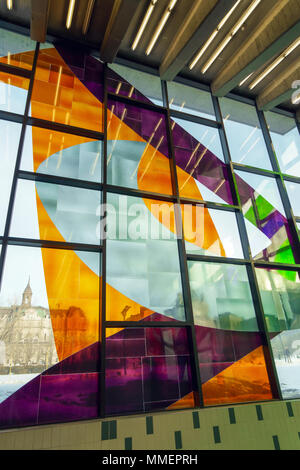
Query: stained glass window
{"type": "Point", "coordinates": [280, 296]}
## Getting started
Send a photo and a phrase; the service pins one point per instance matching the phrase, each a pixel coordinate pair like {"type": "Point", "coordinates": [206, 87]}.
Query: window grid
{"type": "Point", "coordinates": [248, 261]}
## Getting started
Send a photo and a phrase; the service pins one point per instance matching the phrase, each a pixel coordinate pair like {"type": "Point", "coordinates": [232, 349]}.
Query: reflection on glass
{"type": "Point", "coordinates": [244, 134]}
{"type": "Point", "coordinates": [147, 369]}
{"type": "Point", "coordinates": [9, 137]}
{"type": "Point", "coordinates": [13, 93]}
{"type": "Point", "coordinates": [221, 296]}
{"type": "Point", "coordinates": [16, 49]}
{"type": "Point", "coordinates": [143, 272]}
{"type": "Point", "coordinates": [266, 224]}
{"type": "Point", "coordinates": [293, 190]}
{"type": "Point", "coordinates": [137, 150]}
{"type": "Point", "coordinates": [67, 155]}
{"type": "Point", "coordinates": [49, 312]}
{"type": "Point", "coordinates": [280, 296]}
{"type": "Point", "coordinates": [207, 136]}
{"type": "Point", "coordinates": [134, 84]}
{"type": "Point", "coordinates": [54, 212]}
{"type": "Point", "coordinates": [286, 141]}
{"type": "Point", "coordinates": [230, 354]}
{"type": "Point", "coordinates": [59, 96]}
{"type": "Point", "coordinates": [211, 232]}
{"type": "Point", "coordinates": [201, 173]}
{"type": "Point", "coordinates": [190, 100]}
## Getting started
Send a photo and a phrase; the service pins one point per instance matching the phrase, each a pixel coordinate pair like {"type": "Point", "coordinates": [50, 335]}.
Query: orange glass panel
{"type": "Point", "coordinates": [59, 96]}
{"type": "Point", "coordinates": [246, 380]}
{"type": "Point", "coordinates": [23, 60]}
{"type": "Point", "coordinates": [73, 295]}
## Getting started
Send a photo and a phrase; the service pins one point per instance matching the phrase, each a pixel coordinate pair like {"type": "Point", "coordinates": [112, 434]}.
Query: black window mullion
{"type": "Point", "coordinates": [196, 373]}
{"type": "Point", "coordinates": [294, 237]}
{"type": "Point", "coordinates": [17, 167]}
{"type": "Point", "coordinates": [267, 349]}
{"type": "Point", "coordinates": [102, 323]}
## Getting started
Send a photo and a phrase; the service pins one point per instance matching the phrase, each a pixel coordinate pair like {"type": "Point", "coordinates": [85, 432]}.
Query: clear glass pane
{"type": "Point", "coordinates": [16, 49]}
{"type": "Point", "coordinates": [13, 93]}
{"type": "Point", "coordinates": [9, 138]}
{"type": "Point", "coordinates": [293, 190]}
{"type": "Point", "coordinates": [138, 153]}
{"type": "Point", "coordinates": [230, 352]}
{"type": "Point", "coordinates": [134, 84]}
{"type": "Point", "coordinates": [244, 135]}
{"type": "Point", "coordinates": [147, 369]}
{"type": "Point", "coordinates": [190, 100]}
{"type": "Point", "coordinates": [221, 296]}
{"type": "Point", "coordinates": [143, 272]}
{"type": "Point", "coordinates": [49, 312]}
{"type": "Point", "coordinates": [280, 296]}
{"type": "Point", "coordinates": [54, 212]}
{"type": "Point", "coordinates": [211, 232]}
{"type": "Point", "coordinates": [60, 154]}
{"type": "Point", "coordinates": [266, 223]}
{"type": "Point", "coordinates": [286, 141]}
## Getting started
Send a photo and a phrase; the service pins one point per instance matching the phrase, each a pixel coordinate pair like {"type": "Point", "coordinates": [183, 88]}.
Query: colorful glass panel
{"type": "Point", "coordinates": [280, 296]}
{"type": "Point", "coordinates": [147, 369]}
{"type": "Point", "coordinates": [143, 272]}
{"type": "Point", "coordinates": [230, 352]}
{"type": "Point", "coordinates": [266, 223]}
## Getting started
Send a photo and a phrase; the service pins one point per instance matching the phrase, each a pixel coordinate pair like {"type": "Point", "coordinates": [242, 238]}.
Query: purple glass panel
{"type": "Point", "coordinates": [262, 214]}
{"type": "Point", "coordinates": [200, 163]}
{"type": "Point", "coordinates": [117, 84]}
{"type": "Point", "coordinates": [146, 123]}
{"type": "Point", "coordinates": [219, 349]}
{"type": "Point", "coordinates": [68, 397]}
{"type": "Point", "coordinates": [21, 408]}
{"type": "Point", "coordinates": [155, 374]}
{"type": "Point", "coordinates": [86, 360]}
{"type": "Point", "coordinates": [86, 68]}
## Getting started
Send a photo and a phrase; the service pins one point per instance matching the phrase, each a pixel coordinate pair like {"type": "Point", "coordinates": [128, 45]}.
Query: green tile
{"type": "Point", "coordinates": [149, 425]}
{"type": "Point", "coordinates": [105, 430]}
{"type": "Point", "coordinates": [217, 436]}
{"type": "Point", "coordinates": [113, 429]}
{"type": "Point", "coordinates": [276, 443]}
{"type": "Point", "coordinates": [178, 440]}
{"type": "Point", "coordinates": [259, 413]}
{"type": "Point", "coordinates": [196, 420]}
{"type": "Point", "coordinates": [128, 443]}
{"type": "Point", "coordinates": [290, 409]}
{"type": "Point", "coordinates": [231, 416]}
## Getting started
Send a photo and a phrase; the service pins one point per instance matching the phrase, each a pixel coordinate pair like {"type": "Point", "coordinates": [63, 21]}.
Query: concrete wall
{"type": "Point", "coordinates": [269, 425]}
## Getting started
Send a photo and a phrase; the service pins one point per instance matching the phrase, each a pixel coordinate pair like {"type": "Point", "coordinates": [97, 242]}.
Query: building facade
{"type": "Point", "coordinates": [158, 226]}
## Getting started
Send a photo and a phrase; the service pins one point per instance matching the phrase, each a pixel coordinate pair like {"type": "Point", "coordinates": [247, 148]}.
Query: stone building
{"type": "Point", "coordinates": [26, 337]}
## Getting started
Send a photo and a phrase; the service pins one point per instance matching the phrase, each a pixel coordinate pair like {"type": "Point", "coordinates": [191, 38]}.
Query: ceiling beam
{"type": "Point", "coordinates": [122, 13]}
{"type": "Point", "coordinates": [252, 54]}
{"type": "Point", "coordinates": [279, 90]}
{"type": "Point", "coordinates": [39, 19]}
{"type": "Point", "coordinates": [179, 55]}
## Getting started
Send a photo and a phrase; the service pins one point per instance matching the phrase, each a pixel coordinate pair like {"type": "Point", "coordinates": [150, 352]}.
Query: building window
{"type": "Point", "coordinates": [148, 242]}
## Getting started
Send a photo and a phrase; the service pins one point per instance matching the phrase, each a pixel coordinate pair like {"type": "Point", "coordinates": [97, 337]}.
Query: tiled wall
{"type": "Point", "coordinates": [273, 425]}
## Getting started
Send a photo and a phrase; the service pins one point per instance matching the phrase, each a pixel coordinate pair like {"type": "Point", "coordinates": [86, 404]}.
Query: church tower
{"type": "Point", "coordinates": [27, 296]}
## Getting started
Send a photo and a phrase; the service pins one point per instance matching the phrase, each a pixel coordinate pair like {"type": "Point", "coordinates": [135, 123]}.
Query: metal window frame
{"type": "Point", "coordinates": [105, 188]}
